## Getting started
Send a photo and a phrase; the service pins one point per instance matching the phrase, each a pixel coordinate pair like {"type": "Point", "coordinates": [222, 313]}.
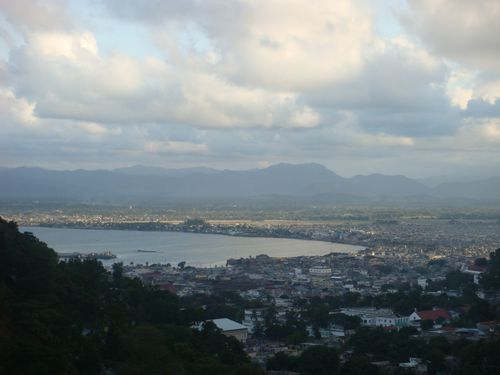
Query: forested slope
{"type": "Point", "coordinates": [76, 318]}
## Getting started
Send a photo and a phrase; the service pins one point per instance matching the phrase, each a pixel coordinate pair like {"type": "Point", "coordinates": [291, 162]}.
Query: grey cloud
{"type": "Point", "coordinates": [462, 30]}
{"type": "Point", "coordinates": [36, 15]}
{"type": "Point", "coordinates": [481, 108]}
{"type": "Point", "coordinates": [416, 124]}
{"type": "Point", "coordinates": [393, 80]}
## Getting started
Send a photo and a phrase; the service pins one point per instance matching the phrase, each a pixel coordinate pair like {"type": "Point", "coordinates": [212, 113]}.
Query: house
{"type": "Point", "coordinates": [432, 315]}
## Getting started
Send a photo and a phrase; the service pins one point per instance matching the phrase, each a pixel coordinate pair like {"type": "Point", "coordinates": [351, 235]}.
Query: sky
{"type": "Point", "coordinates": [394, 86]}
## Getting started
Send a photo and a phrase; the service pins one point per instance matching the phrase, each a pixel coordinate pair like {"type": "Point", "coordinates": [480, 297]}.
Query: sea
{"type": "Point", "coordinates": [196, 249]}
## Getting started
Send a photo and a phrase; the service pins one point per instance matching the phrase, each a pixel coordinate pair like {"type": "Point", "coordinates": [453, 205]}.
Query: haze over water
{"type": "Point", "coordinates": [173, 247]}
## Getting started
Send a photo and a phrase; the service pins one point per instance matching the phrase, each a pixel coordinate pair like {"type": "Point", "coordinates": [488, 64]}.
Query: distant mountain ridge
{"type": "Point", "coordinates": [305, 181]}
{"type": "Point", "coordinates": [141, 170]}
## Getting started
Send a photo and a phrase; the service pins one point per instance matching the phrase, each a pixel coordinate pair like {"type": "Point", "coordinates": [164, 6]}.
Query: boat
{"type": "Point", "coordinates": [146, 251]}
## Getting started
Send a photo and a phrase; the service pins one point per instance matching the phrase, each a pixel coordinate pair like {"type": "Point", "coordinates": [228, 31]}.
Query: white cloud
{"type": "Point", "coordinates": [465, 33]}
{"type": "Point", "coordinates": [279, 44]}
{"type": "Point", "coordinates": [67, 78]}
{"type": "Point", "coordinates": [99, 130]}
{"type": "Point", "coordinates": [17, 111]}
{"type": "Point", "coordinates": [293, 46]}
{"type": "Point", "coordinates": [489, 91]}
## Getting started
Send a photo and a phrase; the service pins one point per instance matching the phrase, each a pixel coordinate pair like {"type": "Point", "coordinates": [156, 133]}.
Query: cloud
{"type": "Point", "coordinates": [242, 82]}
{"type": "Point", "coordinates": [461, 30]}
{"type": "Point", "coordinates": [304, 47]}
{"type": "Point", "coordinates": [465, 34]}
{"type": "Point", "coordinates": [99, 130]}
{"type": "Point", "coordinates": [16, 111]}
{"type": "Point", "coordinates": [30, 15]}
{"type": "Point", "coordinates": [398, 77]}
{"type": "Point", "coordinates": [176, 147]}
{"type": "Point", "coordinates": [67, 78]}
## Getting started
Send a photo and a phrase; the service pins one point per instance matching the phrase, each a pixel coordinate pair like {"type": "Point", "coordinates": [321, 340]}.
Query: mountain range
{"type": "Point", "coordinates": [305, 182]}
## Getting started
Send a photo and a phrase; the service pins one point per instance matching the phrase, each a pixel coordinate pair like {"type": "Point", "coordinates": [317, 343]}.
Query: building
{"type": "Point", "coordinates": [422, 282]}
{"type": "Point", "coordinates": [320, 271]}
{"type": "Point", "coordinates": [432, 315]}
{"type": "Point", "coordinates": [231, 328]}
{"type": "Point", "coordinates": [373, 317]}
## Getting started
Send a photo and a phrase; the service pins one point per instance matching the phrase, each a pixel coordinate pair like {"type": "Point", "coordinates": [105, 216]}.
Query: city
{"type": "Point", "coordinates": [418, 275]}
{"type": "Point", "coordinates": [249, 187]}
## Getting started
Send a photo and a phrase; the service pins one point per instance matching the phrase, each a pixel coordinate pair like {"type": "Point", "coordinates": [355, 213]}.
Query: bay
{"type": "Point", "coordinates": [196, 249]}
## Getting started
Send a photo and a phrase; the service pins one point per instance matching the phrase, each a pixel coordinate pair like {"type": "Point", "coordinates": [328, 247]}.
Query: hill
{"type": "Point", "coordinates": [77, 318]}
{"type": "Point", "coordinates": [306, 182]}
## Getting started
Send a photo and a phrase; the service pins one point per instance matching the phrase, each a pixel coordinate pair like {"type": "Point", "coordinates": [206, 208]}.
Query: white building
{"type": "Point", "coordinates": [422, 282]}
{"type": "Point", "coordinates": [373, 317]}
{"type": "Point", "coordinates": [230, 328]}
{"type": "Point", "coordinates": [320, 271]}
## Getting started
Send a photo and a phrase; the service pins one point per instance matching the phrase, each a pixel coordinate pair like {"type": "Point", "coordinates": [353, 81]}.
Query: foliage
{"type": "Point", "coordinates": [76, 318]}
{"type": "Point", "coordinates": [491, 279]}
{"type": "Point", "coordinates": [480, 358]}
{"type": "Point", "coordinates": [316, 360]}
{"type": "Point", "coordinates": [359, 366]}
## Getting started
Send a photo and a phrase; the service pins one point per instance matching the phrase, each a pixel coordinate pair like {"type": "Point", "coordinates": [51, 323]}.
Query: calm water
{"type": "Point", "coordinates": [173, 247]}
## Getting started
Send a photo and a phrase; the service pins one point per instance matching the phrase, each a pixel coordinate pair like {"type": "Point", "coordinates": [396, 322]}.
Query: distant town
{"type": "Point", "coordinates": [420, 275]}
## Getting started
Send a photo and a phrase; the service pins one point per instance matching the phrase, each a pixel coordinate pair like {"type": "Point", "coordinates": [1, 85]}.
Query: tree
{"type": "Point", "coordinates": [359, 366]}
{"type": "Point", "coordinates": [282, 361]}
{"type": "Point", "coordinates": [481, 262]}
{"type": "Point", "coordinates": [490, 280]}
{"type": "Point", "coordinates": [117, 271]}
{"type": "Point", "coordinates": [319, 360]}
{"type": "Point", "coordinates": [77, 318]}
{"type": "Point", "coordinates": [458, 280]}
{"type": "Point", "coordinates": [480, 358]}
{"type": "Point", "coordinates": [426, 324]}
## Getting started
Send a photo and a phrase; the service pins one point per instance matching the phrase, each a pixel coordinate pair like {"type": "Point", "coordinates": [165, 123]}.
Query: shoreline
{"type": "Point", "coordinates": [128, 254]}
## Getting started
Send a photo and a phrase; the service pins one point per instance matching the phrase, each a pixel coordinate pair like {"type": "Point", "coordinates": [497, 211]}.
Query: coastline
{"type": "Point", "coordinates": [174, 247]}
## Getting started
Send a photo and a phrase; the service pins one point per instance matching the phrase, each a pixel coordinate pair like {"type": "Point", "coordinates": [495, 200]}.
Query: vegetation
{"type": "Point", "coordinates": [77, 318]}
{"type": "Point", "coordinates": [491, 279]}
{"type": "Point", "coordinates": [317, 360]}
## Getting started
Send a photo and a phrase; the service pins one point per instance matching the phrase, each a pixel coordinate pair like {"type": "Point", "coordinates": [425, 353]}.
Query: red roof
{"type": "Point", "coordinates": [433, 314]}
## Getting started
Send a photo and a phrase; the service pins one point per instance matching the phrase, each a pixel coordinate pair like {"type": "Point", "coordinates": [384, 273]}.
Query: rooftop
{"type": "Point", "coordinates": [226, 324]}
